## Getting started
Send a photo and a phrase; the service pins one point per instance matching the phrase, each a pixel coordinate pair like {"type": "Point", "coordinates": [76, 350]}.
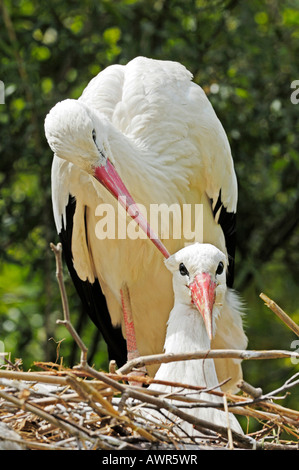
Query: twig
{"type": "Point", "coordinates": [29, 444]}
{"type": "Point", "coordinates": [213, 354]}
{"type": "Point", "coordinates": [280, 313]}
{"type": "Point", "coordinates": [288, 384]}
{"type": "Point", "coordinates": [274, 446]}
{"type": "Point", "coordinates": [67, 321]}
{"type": "Point", "coordinates": [249, 389]}
{"type": "Point", "coordinates": [32, 377]}
{"type": "Point", "coordinates": [151, 380]}
{"type": "Point", "coordinates": [229, 431]}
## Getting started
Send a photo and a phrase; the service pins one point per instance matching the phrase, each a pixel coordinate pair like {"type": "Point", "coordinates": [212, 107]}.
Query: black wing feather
{"type": "Point", "coordinates": [91, 295]}
{"type": "Point", "coordinates": [227, 221]}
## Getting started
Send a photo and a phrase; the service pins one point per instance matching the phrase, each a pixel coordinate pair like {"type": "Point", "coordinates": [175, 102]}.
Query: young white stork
{"type": "Point", "coordinates": [147, 127]}
{"type": "Point", "coordinates": [200, 292]}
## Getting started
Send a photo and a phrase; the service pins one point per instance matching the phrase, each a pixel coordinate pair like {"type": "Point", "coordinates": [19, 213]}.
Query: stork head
{"type": "Point", "coordinates": [80, 135]}
{"type": "Point", "coordinates": [75, 133]}
{"type": "Point", "coordinates": [199, 280]}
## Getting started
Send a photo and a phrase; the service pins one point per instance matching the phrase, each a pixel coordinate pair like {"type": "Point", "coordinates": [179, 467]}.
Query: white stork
{"type": "Point", "coordinates": [147, 127]}
{"type": "Point", "coordinates": [199, 285]}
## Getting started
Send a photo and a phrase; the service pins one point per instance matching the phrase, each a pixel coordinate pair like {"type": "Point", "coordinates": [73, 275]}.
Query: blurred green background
{"type": "Point", "coordinates": [245, 56]}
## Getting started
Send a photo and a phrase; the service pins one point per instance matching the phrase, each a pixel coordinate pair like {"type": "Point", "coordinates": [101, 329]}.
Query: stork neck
{"type": "Point", "coordinates": [186, 331]}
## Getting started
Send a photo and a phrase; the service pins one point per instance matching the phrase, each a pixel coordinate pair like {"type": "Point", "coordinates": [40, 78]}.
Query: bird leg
{"type": "Point", "coordinates": [132, 350]}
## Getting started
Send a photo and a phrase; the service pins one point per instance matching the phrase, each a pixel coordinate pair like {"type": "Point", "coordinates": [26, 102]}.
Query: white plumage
{"type": "Point", "coordinates": [161, 134]}
{"type": "Point", "coordinates": [186, 331]}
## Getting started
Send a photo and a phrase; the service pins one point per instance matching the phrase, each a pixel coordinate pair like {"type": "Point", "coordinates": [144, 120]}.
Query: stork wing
{"type": "Point", "coordinates": [218, 178]}
{"type": "Point", "coordinates": [69, 216]}
{"type": "Point", "coordinates": [227, 221]}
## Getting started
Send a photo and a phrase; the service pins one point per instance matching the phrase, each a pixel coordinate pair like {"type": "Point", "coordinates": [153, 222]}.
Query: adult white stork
{"type": "Point", "coordinates": [199, 285]}
{"type": "Point", "coordinates": [147, 127]}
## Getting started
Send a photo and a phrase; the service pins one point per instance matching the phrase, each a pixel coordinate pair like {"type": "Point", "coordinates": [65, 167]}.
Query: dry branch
{"type": "Point", "coordinates": [32, 377]}
{"type": "Point", "coordinates": [280, 313]}
{"type": "Point", "coordinates": [67, 319]}
{"type": "Point", "coordinates": [213, 354]}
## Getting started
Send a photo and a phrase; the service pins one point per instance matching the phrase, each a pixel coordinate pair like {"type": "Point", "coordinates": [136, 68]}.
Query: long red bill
{"type": "Point", "coordinates": [110, 179]}
{"type": "Point", "coordinates": [203, 296]}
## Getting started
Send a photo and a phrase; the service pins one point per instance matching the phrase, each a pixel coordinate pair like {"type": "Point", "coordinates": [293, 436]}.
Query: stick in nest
{"type": "Point", "coordinates": [280, 313]}
{"type": "Point", "coordinates": [214, 354]}
{"type": "Point", "coordinates": [67, 320]}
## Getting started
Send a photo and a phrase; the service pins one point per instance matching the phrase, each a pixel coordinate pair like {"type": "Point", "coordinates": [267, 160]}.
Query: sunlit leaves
{"type": "Point", "coordinates": [112, 36]}
{"type": "Point", "coordinates": [290, 16]}
{"type": "Point", "coordinates": [74, 23]}
{"type": "Point", "coordinates": [40, 52]}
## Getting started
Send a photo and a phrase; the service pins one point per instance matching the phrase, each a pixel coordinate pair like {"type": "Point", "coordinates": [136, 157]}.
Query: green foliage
{"type": "Point", "coordinates": [244, 54]}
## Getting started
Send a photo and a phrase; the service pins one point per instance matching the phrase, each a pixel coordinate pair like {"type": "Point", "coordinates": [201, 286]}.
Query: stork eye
{"type": "Point", "coordinates": [220, 268]}
{"type": "Point", "coordinates": [183, 270]}
{"type": "Point", "coordinates": [94, 136]}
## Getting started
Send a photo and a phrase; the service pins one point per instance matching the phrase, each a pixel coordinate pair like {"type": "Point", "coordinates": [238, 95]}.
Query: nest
{"type": "Point", "coordinates": [57, 408]}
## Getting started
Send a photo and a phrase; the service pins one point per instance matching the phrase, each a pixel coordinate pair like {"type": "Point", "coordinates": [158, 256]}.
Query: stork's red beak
{"type": "Point", "coordinates": [203, 296]}
{"type": "Point", "coordinates": [110, 179]}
